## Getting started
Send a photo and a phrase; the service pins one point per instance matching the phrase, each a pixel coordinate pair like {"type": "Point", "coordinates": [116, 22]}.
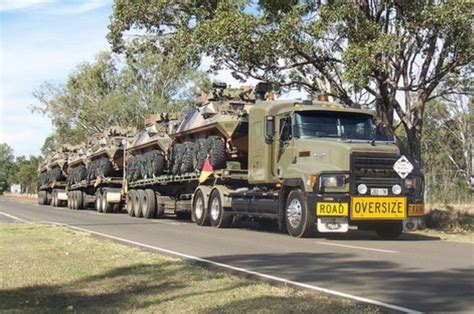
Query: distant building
{"type": "Point", "coordinates": [15, 189]}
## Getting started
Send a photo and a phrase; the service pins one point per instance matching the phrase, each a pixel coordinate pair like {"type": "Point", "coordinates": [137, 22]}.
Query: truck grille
{"type": "Point", "coordinates": [373, 170]}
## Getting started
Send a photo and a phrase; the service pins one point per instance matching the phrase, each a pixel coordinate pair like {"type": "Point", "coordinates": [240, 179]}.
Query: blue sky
{"type": "Point", "coordinates": [43, 40]}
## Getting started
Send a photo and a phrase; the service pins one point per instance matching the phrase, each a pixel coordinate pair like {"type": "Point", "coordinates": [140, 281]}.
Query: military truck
{"type": "Point", "coordinates": [51, 186]}
{"type": "Point", "coordinates": [102, 181]}
{"type": "Point", "coordinates": [310, 166]}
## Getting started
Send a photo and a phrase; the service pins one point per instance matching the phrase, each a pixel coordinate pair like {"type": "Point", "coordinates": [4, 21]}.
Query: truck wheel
{"type": "Point", "coordinates": [49, 198]}
{"type": "Point", "coordinates": [148, 204]}
{"type": "Point", "coordinates": [299, 220]}
{"type": "Point", "coordinates": [130, 203]}
{"type": "Point", "coordinates": [175, 158]}
{"type": "Point", "coordinates": [137, 203]}
{"type": "Point", "coordinates": [200, 209]}
{"type": "Point", "coordinates": [54, 199]}
{"type": "Point", "coordinates": [389, 230]}
{"type": "Point", "coordinates": [73, 199]}
{"type": "Point", "coordinates": [41, 195]}
{"type": "Point", "coordinates": [106, 206]}
{"type": "Point", "coordinates": [157, 163]}
{"type": "Point", "coordinates": [98, 201]}
{"type": "Point", "coordinates": [218, 216]}
{"type": "Point", "coordinates": [81, 198]}
{"type": "Point", "coordinates": [217, 152]}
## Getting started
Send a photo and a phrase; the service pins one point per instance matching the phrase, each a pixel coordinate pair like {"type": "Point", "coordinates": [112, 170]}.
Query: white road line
{"type": "Point", "coordinates": [239, 269]}
{"type": "Point", "coordinates": [14, 217]}
{"type": "Point", "coordinates": [358, 247]}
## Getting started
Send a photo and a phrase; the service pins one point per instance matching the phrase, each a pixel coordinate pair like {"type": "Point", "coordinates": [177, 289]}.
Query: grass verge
{"type": "Point", "coordinates": [49, 269]}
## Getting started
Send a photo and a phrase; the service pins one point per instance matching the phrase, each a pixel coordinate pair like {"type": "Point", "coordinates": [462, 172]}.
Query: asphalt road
{"type": "Point", "coordinates": [415, 272]}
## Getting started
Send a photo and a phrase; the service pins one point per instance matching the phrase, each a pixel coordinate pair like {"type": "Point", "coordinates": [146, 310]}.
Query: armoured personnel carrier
{"type": "Point", "coordinates": [52, 177]}
{"type": "Point", "coordinates": [148, 151]}
{"type": "Point", "coordinates": [216, 129]}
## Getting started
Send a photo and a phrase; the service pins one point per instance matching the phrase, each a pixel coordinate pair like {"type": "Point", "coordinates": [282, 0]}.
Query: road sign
{"type": "Point", "coordinates": [403, 167]}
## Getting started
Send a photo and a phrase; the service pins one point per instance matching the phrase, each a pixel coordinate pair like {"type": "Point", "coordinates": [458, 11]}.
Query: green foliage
{"type": "Point", "coordinates": [361, 52]}
{"type": "Point", "coordinates": [114, 92]}
{"type": "Point", "coordinates": [7, 166]}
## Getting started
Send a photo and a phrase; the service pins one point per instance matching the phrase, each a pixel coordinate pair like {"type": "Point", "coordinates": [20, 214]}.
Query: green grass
{"type": "Point", "coordinates": [54, 269]}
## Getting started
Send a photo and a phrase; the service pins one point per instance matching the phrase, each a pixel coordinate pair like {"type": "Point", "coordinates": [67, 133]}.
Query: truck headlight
{"type": "Point", "coordinates": [331, 181]}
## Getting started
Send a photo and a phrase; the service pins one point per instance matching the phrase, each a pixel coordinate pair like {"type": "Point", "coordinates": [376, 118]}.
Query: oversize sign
{"type": "Point", "coordinates": [378, 208]}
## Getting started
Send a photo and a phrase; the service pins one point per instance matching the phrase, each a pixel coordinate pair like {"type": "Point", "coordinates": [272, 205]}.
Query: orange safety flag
{"type": "Point", "coordinates": [206, 171]}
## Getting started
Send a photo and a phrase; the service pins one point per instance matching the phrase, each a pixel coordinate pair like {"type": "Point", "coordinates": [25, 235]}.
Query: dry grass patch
{"type": "Point", "coordinates": [49, 269]}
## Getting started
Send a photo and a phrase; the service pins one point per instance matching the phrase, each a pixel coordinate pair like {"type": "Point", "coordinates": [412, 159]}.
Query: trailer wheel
{"type": "Point", "coordinates": [41, 197]}
{"type": "Point", "coordinates": [148, 204]}
{"type": "Point", "coordinates": [81, 197]}
{"type": "Point", "coordinates": [389, 230]}
{"type": "Point", "coordinates": [200, 209]}
{"type": "Point", "coordinates": [49, 198]}
{"type": "Point", "coordinates": [73, 199]}
{"type": "Point", "coordinates": [130, 203]}
{"type": "Point", "coordinates": [218, 216]}
{"type": "Point", "coordinates": [136, 203]}
{"type": "Point", "coordinates": [54, 199]}
{"type": "Point", "coordinates": [106, 206]}
{"type": "Point", "coordinates": [300, 222]}
{"type": "Point", "coordinates": [160, 207]}
{"type": "Point", "coordinates": [98, 201]}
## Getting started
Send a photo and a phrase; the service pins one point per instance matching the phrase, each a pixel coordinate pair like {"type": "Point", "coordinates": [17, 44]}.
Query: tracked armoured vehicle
{"type": "Point", "coordinates": [216, 129]}
{"type": "Point", "coordinates": [52, 178]}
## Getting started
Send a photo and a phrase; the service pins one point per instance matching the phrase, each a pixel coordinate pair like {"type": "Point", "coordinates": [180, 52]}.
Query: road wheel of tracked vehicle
{"type": "Point", "coordinates": [137, 203]}
{"type": "Point", "coordinates": [389, 230]}
{"type": "Point", "coordinates": [131, 203]}
{"type": "Point", "coordinates": [300, 222]}
{"type": "Point", "coordinates": [218, 216]}
{"type": "Point", "coordinates": [217, 152]}
{"type": "Point", "coordinates": [106, 206]}
{"type": "Point", "coordinates": [98, 201]}
{"type": "Point", "coordinates": [148, 204]}
{"type": "Point", "coordinates": [200, 209]}
{"type": "Point", "coordinates": [187, 158]}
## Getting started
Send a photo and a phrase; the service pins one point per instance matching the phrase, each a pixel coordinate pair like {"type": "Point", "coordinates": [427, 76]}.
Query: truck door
{"type": "Point", "coordinates": [284, 148]}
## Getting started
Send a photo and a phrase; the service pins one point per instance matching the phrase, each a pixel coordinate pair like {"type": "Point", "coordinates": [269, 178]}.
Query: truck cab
{"type": "Point", "coordinates": [333, 169]}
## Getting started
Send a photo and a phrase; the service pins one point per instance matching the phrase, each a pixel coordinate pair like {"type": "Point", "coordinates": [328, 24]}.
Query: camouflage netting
{"type": "Point", "coordinates": [76, 174]}
{"type": "Point", "coordinates": [50, 176]}
{"type": "Point", "coordinates": [101, 167]}
{"type": "Point", "coordinates": [145, 166]}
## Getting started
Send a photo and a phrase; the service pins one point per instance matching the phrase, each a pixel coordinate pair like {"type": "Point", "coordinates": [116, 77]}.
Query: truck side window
{"type": "Point", "coordinates": [285, 129]}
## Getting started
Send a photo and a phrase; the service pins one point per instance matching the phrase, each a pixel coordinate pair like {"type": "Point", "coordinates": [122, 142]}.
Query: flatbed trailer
{"type": "Point", "coordinates": [104, 194]}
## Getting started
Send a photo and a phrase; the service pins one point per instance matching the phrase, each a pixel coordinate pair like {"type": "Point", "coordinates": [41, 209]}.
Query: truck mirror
{"type": "Point", "coordinates": [269, 129]}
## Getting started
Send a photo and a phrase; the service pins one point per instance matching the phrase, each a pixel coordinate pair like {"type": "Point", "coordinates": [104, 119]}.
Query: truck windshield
{"type": "Point", "coordinates": [309, 124]}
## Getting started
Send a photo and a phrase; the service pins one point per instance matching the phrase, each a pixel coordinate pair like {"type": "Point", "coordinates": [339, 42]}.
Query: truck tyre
{"type": "Point", "coordinates": [54, 199]}
{"type": "Point", "coordinates": [106, 206]}
{"type": "Point", "coordinates": [81, 200]}
{"type": "Point", "coordinates": [200, 209]}
{"type": "Point", "coordinates": [389, 230]}
{"type": "Point", "coordinates": [130, 203]}
{"type": "Point", "coordinates": [41, 197]}
{"type": "Point", "coordinates": [148, 204]}
{"type": "Point", "coordinates": [175, 158]}
{"type": "Point", "coordinates": [217, 152]}
{"type": "Point", "coordinates": [300, 222]}
{"type": "Point", "coordinates": [73, 199]}
{"type": "Point", "coordinates": [218, 216]}
{"type": "Point", "coordinates": [157, 163]}
{"type": "Point", "coordinates": [137, 203]}
{"type": "Point", "coordinates": [49, 198]}
{"type": "Point", "coordinates": [98, 201]}
{"type": "Point", "coordinates": [187, 158]}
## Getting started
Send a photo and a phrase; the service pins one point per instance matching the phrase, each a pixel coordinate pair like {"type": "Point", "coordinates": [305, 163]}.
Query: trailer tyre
{"type": "Point", "coordinates": [148, 204]}
{"type": "Point", "coordinates": [130, 203]}
{"type": "Point", "coordinates": [81, 197]}
{"type": "Point", "coordinates": [389, 230]}
{"type": "Point", "coordinates": [300, 222]}
{"type": "Point", "coordinates": [200, 209]}
{"type": "Point", "coordinates": [137, 203]}
{"type": "Point", "coordinates": [106, 206]}
{"type": "Point", "coordinates": [218, 216]}
{"type": "Point", "coordinates": [98, 201]}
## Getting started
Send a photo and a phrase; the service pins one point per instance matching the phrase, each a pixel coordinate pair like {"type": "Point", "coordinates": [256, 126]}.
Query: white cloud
{"type": "Point", "coordinates": [11, 5]}
{"type": "Point", "coordinates": [79, 8]}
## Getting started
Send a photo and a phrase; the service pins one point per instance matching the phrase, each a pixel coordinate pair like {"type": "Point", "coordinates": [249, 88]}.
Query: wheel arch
{"type": "Point", "coordinates": [287, 186]}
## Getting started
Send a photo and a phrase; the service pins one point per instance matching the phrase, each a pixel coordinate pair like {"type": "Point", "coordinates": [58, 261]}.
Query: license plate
{"type": "Point", "coordinates": [416, 209]}
{"type": "Point", "coordinates": [332, 209]}
{"type": "Point", "coordinates": [379, 192]}
{"type": "Point", "coordinates": [378, 208]}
